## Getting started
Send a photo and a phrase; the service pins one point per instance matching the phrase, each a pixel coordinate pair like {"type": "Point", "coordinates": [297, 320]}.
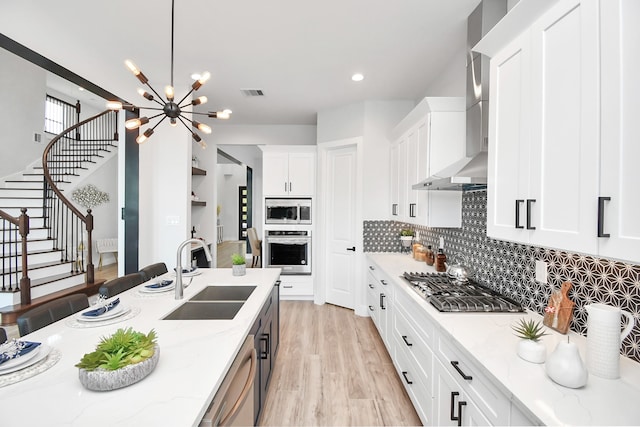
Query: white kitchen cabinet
{"type": "Point", "coordinates": [380, 303]}
{"type": "Point", "coordinates": [289, 171]}
{"type": "Point", "coordinates": [429, 138]}
{"type": "Point", "coordinates": [543, 132]}
{"type": "Point", "coordinates": [296, 287]}
{"type": "Point", "coordinates": [620, 92]}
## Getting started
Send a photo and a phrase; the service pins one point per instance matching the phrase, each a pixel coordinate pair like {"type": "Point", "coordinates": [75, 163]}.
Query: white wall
{"type": "Point", "coordinates": [263, 134]}
{"type": "Point", "coordinates": [165, 198]}
{"type": "Point", "coordinates": [452, 79]}
{"type": "Point", "coordinates": [23, 89]}
{"type": "Point", "coordinates": [341, 123]}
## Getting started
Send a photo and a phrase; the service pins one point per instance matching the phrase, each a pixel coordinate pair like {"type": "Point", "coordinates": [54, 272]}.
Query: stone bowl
{"type": "Point", "coordinates": [104, 380]}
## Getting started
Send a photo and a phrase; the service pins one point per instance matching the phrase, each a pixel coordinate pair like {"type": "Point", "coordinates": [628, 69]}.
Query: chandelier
{"type": "Point", "coordinates": [169, 108]}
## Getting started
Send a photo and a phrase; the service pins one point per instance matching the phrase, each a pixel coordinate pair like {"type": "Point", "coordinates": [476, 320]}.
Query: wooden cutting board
{"type": "Point", "coordinates": [559, 311]}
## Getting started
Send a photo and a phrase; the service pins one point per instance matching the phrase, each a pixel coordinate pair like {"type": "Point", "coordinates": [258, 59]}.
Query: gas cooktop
{"type": "Point", "coordinates": [446, 295]}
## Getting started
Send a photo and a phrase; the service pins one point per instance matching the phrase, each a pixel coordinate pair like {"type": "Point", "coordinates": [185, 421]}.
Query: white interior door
{"type": "Point", "coordinates": [341, 225]}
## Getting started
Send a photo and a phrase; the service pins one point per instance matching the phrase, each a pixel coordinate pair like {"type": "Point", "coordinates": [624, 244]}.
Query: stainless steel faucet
{"type": "Point", "coordinates": [179, 289]}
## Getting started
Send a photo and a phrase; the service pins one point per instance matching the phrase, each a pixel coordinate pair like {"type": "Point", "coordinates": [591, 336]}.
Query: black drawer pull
{"type": "Point", "coordinates": [287, 286]}
{"type": "Point", "coordinates": [455, 364]}
{"type": "Point", "coordinates": [383, 282]}
{"type": "Point", "coordinates": [404, 374]}
{"type": "Point", "coordinates": [352, 248]}
{"type": "Point", "coordinates": [394, 209]}
{"type": "Point", "coordinates": [601, 201]}
{"type": "Point", "coordinates": [529, 202]}
{"type": "Point", "coordinates": [264, 354]}
{"type": "Point", "coordinates": [371, 286]}
{"type": "Point", "coordinates": [460, 405]}
{"type": "Point", "coordinates": [404, 337]}
{"type": "Point", "coordinates": [371, 267]}
{"type": "Point", "coordinates": [518, 202]}
{"type": "Point", "coordinates": [453, 405]}
{"type": "Point", "coordinates": [382, 302]}
{"type": "Point", "coordinates": [370, 308]}
{"type": "Point", "coordinates": [412, 210]}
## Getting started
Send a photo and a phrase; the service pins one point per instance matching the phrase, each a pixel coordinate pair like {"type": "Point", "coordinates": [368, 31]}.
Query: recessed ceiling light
{"type": "Point", "coordinates": [357, 77]}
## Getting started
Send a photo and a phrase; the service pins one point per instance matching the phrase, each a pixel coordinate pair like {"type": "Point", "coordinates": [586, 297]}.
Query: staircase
{"type": "Point", "coordinates": [56, 256]}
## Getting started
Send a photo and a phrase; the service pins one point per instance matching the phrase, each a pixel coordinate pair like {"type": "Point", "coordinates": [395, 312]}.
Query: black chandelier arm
{"type": "Point", "coordinates": [182, 119]}
{"type": "Point", "coordinates": [152, 108]}
{"type": "Point", "coordinates": [157, 94]}
{"type": "Point", "coordinates": [185, 97]}
{"type": "Point", "coordinates": [160, 121]}
{"type": "Point", "coordinates": [198, 113]}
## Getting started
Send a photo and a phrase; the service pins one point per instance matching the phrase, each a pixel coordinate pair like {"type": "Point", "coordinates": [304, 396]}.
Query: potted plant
{"type": "Point", "coordinates": [530, 348]}
{"type": "Point", "coordinates": [406, 237]}
{"type": "Point", "coordinates": [119, 360]}
{"type": "Point", "coordinates": [239, 266]}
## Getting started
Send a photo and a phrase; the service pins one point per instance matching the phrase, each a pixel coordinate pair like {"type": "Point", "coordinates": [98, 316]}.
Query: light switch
{"type": "Point", "coordinates": [541, 271]}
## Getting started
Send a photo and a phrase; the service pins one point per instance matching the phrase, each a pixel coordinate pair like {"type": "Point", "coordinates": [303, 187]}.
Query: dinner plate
{"type": "Point", "coordinates": [40, 353]}
{"type": "Point", "coordinates": [20, 359]}
{"type": "Point", "coordinates": [167, 288]}
{"type": "Point", "coordinates": [116, 312]}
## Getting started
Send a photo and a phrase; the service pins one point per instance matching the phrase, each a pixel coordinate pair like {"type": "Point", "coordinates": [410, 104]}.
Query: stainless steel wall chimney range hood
{"type": "Point", "coordinates": [470, 172]}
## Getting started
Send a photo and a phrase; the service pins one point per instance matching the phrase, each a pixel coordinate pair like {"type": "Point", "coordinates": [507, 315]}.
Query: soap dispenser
{"type": "Point", "coordinates": [430, 256]}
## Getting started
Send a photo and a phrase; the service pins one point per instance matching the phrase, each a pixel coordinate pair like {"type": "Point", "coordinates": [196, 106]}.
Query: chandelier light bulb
{"type": "Point", "coordinates": [173, 122]}
{"type": "Point", "coordinates": [200, 100]}
{"type": "Point", "coordinates": [204, 77]}
{"type": "Point", "coordinates": [131, 66]}
{"type": "Point", "coordinates": [201, 126]}
{"type": "Point", "coordinates": [146, 94]}
{"type": "Point", "coordinates": [223, 114]}
{"type": "Point", "coordinates": [114, 105]}
{"type": "Point", "coordinates": [168, 91]}
{"type": "Point", "coordinates": [142, 138]}
{"type": "Point", "coordinates": [136, 123]}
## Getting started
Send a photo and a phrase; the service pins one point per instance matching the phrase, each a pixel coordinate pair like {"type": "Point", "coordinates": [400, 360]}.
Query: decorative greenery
{"type": "Point", "coordinates": [529, 330]}
{"type": "Point", "coordinates": [406, 232]}
{"type": "Point", "coordinates": [89, 196]}
{"type": "Point", "coordinates": [237, 259]}
{"type": "Point", "coordinates": [124, 347]}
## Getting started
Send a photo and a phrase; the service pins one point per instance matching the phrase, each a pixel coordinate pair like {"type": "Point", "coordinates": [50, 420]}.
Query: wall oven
{"type": "Point", "coordinates": [287, 211]}
{"type": "Point", "coordinates": [289, 250]}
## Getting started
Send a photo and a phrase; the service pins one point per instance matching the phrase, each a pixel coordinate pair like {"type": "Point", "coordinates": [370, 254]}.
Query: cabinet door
{"type": "Point", "coordinates": [394, 184]}
{"type": "Point", "coordinates": [275, 174]}
{"type": "Point", "coordinates": [302, 174]}
{"type": "Point", "coordinates": [413, 160]}
{"type": "Point", "coordinates": [565, 138]}
{"type": "Point", "coordinates": [620, 174]}
{"type": "Point", "coordinates": [508, 170]}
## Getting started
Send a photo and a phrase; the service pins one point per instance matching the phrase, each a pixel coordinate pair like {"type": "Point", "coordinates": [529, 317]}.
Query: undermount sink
{"type": "Point", "coordinates": [224, 293]}
{"type": "Point", "coordinates": [207, 310]}
{"type": "Point", "coordinates": [213, 303]}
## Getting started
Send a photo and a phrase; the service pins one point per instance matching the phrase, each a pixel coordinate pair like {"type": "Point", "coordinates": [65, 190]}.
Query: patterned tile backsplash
{"type": "Point", "coordinates": [510, 267]}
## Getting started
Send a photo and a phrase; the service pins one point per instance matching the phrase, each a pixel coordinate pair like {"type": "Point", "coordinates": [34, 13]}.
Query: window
{"type": "Point", "coordinates": [59, 115]}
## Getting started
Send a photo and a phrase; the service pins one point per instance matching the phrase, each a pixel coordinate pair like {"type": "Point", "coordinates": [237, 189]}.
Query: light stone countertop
{"type": "Point", "coordinates": [194, 358]}
{"type": "Point", "coordinates": [491, 344]}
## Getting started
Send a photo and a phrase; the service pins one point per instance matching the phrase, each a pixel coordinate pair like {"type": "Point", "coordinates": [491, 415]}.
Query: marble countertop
{"type": "Point", "coordinates": [194, 358]}
{"type": "Point", "coordinates": [490, 343]}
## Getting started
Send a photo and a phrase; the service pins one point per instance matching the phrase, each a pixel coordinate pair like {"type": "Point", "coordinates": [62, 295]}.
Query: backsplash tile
{"type": "Point", "coordinates": [509, 267]}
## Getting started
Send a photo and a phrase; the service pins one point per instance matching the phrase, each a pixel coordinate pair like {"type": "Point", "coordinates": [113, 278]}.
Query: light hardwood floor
{"type": "Point", "coordinates": [332, 369]}
{"type": "Point", "coordinates": [226, 249]}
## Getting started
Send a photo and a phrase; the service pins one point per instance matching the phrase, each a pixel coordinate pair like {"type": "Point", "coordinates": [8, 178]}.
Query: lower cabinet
{"type": "Point", "coordinates": [266, 331]}
{"type": "Point", "coordinates": [296, 287]}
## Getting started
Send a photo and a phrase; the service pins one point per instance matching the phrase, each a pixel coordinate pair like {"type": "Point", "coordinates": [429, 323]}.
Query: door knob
{"type": "Point", "coordinates": [353, 248]}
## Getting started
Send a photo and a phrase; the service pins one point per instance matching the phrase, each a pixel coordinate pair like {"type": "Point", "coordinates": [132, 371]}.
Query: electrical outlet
{"type": "Point", "coordinates": [541, 271]}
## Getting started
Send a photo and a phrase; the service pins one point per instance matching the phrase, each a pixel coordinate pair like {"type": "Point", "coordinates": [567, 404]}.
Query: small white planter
{"type": "Point", "coordinates": [532, 351]}
{"type": "Point", "coordinates": [104, 380]}
{"type": "Point", "coordinates": [239, 270]}
{"type": "Point", "coordinates": [406, 241]}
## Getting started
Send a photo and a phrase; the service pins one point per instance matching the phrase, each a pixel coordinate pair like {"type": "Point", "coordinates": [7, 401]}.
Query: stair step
{"type": "Point", "coordinates": [10, 192]}
{"type": "Point", "coordinates": [20, 202]}
{"type": "Point", "coordinates": [15, 211]}
{"type": "Point", "coordinates": [35, 256]}
{"type": "Point", "coordinates": [25, 184]}
{"type": "Point", "coordinates": [33, 245]}
{"type": "Point", "coordinates": [42, 270]}
{"type": "Point", "coordinates": [82, 156]}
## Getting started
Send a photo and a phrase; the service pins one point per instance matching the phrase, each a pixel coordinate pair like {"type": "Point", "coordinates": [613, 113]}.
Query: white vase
{"type": "Point", "coordinates": [239, 270]}
{"type": "Point", "coordinates": [564, 366]}
{"type": "Point", "coordinates": [532, 351]}
{"type": "Point", "coordinates": [604, 339]}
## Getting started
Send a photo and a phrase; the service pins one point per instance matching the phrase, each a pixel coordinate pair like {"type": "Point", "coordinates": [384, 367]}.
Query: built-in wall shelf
{"type": "Point", "coordinates": [197, 171]}
{"type": "Point", "coordinates": [198, 203]}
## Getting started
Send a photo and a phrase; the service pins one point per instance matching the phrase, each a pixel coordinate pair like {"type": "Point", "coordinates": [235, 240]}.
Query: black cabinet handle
{"type": "Point", "coordinates": [264, 354]}
{"type": "Point", "coordinates": [289, 187]}
{"type": "Point", "coordinates": [287, 286]}
{"type": "Point", "coordinates": [278, 282]}
{"type": "Point", "coordinates": [460, 405]}
{"type": "Point", "coordinates": [404, 337]}
{"type": "Point", "coordinates": [412, 210]}
{"type": "Point", "coordinates": [518, 202]}
{"type": "Point", "coordinates": [285, 187]}
{"type": "Point", "coordinates": [453, 405]}
{"type": "Point", "coordinates": [455, 364]}
{"type": "Point", "coordinates": [371, 267]}
{"type": "Point", "coordinates": [382, 302]}
{"type": "Point", "coordinates": [352, 248]}
{"type": "Point", "coordinates": [370, 308]}
{"type": "Point", "coordinates": [394, 209]}
{"type": "Point", "coordinates": [383, 282]}
{"type": "Point", "coordinates": [404, 374]}
{"type": "Point", "coordinates": [529, 202]}
{"type": "Point", "coordinates": [601, 201]}
{"type": "Point", "coordinates": [371, 286]}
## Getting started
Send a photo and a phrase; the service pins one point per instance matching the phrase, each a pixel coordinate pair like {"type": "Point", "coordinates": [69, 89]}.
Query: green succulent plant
{"type": "Point", "coordinates": [529, 330]}
{"type": "Point", "coordinates": [406, 232]}
{"type": "Point", "coordinates": [124, 347]}
{"type": "Point", "coordinates": [237, 259]}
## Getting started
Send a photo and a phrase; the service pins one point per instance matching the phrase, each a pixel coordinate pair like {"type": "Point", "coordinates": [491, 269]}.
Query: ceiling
{"type": "Point", "coordinates": [300, 53]}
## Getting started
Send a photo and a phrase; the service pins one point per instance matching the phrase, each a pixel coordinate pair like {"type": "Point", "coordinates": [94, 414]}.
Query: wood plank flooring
{"type": "Point", "coordinates": [226, 249]}
{"type": "Point", "coordinates": [333, 369]}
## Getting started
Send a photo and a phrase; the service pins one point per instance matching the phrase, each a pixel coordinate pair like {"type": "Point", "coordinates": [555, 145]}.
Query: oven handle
{"type": "Point", "coordinates": [289, 240]}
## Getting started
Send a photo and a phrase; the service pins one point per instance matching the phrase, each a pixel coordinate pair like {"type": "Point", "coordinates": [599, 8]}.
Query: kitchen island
{"type": "Point", "coordinates": [194, 358]}
{"type": "Point", "coordinates": [487, 345]}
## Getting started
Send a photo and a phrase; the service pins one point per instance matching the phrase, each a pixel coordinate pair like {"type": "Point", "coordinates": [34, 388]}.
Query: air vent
{"type": "Point", "coordinates": [252, 92]}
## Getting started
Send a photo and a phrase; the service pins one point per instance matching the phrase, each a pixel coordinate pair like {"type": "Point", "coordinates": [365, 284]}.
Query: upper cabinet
{"type": "Point", "coordinates": [289, 171]}
{"type": "Point", "coordinates": [431, 137]}
{"type": "Point", "coordinates": [557, 134]}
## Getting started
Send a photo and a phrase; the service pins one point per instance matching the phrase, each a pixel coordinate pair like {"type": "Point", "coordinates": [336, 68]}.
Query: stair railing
{"type": "Point", "coordinates": [11, 228]}
{"type": "Point", "coordinates": [63, 219]}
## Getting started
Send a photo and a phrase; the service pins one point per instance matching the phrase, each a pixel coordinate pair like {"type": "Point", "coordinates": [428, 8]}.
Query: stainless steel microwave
{"type": "Point", "coordinates": [287, 211]}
